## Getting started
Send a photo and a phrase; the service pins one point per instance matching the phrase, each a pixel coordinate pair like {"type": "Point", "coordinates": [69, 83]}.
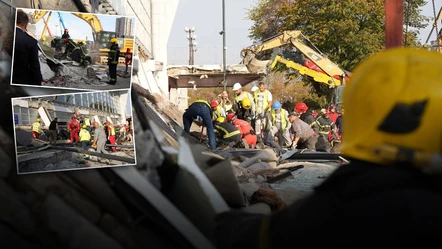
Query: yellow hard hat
{"type": "Point", "coordinates": [38, 119]}
{"type": "Point", "coordinates": [221, 119]}
{"type": "Point", "coordinates": [84, 126]}
{"type": "Point", "coordinates": [113, 40]}
{"type": "Point", "coordinates": [246, 103]}
{"type": "Point", "coordinates": [393, 106]}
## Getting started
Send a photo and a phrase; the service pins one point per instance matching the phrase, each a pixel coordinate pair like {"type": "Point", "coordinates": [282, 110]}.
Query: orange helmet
{"type": "Point", "coordinates": [301, 107]}
{"type": "Point", "coordinates": [231, 117]}
{"type": "Point", "coordinates": [214, 103]}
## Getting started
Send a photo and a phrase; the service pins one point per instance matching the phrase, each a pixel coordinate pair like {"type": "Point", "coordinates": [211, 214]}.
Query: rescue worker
{"type": "Point", "coordinates": [85, 137]}
{"type": "Point", "coordinates": [263, 102]}
{"type": "Point", "coordinates": [73, 128]}
{"type": "Point", "coordinates": [70, 46]}
{"type": "Point", "coordinates": [26, 64]}
{"type": "Point", "coordinates": [53, 131]}
{"type": "Point", "coordinates": [390, 194]}
{"type": "Point", "coordinates": [66, 34]}
{"type": "Point", "coordinates": [280, 126]}
{"type": "Point", "coordinates": [202, 109]}
{"type": "Point", "coordinates": [247, 133]}
{"type": "Point", "coordinates": [227, 133]}
{"type": "Point", "coordinates": [100, 139]}
{"type": "Point", "coordinates": [36, 129]}
{"type": "Point", "coordinates": [122, 131]}
{"type": "Point", "coordinates": [240, 95]}
{"type": "Point", "coordinates": [326, 125]}
{"type": "Point", "coordinates": [333, 114]}
{"type": "Point", "coordinates": [245, 112]}
{"type": "Point", "coordinates": [254, 88]}
{"type": "Point", "coordinates": [307, 115]}
{"type": "Point", "coordinates": [224, 101]}
{"type": "Point", "coordinates": [111, 134]}
{"type": "Point", "coordinates": [87, 122]}
{"type": "Point", "coordinates": [112, 60]}
{"type": "Point", "coordinates": [217, 110]}
{"type": "Point", "coordinates": [128, 59]}
{"type": "Point", "coordinates": [303, 136]}
{"type": "Point", "coordinates": [339, 122]}
{"type": "Point", "coordinates": [80, 54]}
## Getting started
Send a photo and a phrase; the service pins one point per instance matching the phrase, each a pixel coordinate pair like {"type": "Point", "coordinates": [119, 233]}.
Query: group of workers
{"type": "Point", "coordinates": [80, 130]}
{"type": "Point", "coordinates": [255, 117]}
{"type": "Point", "coordinates": [390, 194]}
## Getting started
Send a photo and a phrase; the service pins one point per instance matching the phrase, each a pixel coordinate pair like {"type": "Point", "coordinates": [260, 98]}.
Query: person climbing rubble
{"type": "Point", "coordinates": [36, 129]}
{"type": "Point", "coordinates": [66, 34]}
{"type": "Point", "coordinates": [263, 102]}
{"type": "Point", "coordinates": [227, 133]}
{"type": "Point", "coordinates": [240, 95]}
{"type": "Point", "coordinates": [244, 112]}
{"type": "Point", "coordinates": [391, 191]}
{"type": "Point", "coordinates": [202, 109]}
{"type": "Point", "coordinates": [217, 110]}
{"type": "Point", "coordinates": [280, 126]}
{"type": "Point", "coordinates": [53, 131]}
{"type": "Point", "coordinates": [303, 136]}
{"type": "Point", "coordinates": [112, 60]}
{"type": "Point", "coordinates": [248, 135]}
{"type": "Point", "coordinates": [80, 54]}
{"type": "Point", "coordinates": [73, 128]}
{"type": "Point", "coordinates": [85, 138]}
{"type": "Point", "coordinates": [326, 126]}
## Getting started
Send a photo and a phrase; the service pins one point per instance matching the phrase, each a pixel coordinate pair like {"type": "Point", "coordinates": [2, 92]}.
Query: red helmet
{"type": "Point", "coordinates": [231, 117]}
{"type": "Point", "coordinates": [213, 104]}
{"type": "Point", "coordinates": [301, 107]}
{"type": "Point", "coordinates": [66, 30]}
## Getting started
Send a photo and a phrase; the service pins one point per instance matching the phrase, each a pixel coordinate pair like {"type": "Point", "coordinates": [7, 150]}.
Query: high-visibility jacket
{"type": "Point", "coordinates": [284, 122]}
{"type": "Point", "coordinates": [122, 129]}
{"type": "Point", "coordinates": [226, 130]}
{"type": "Point", "coordinates": [36, 127]}
{"type": "Point", "coordinates": [219, 112]}
{"type": "Point", "coordinates": [114, 54]}
{"type": "Point", "coordinates": [112, 130]}
{"type": "Point", "coordinates": [84, 135]}
{"type": "Point", "coordinates": [265, 101]}
{"type": "Point", "coordinates": [325, 125]}
{"type": "Point", "coordinates": [87, 122]}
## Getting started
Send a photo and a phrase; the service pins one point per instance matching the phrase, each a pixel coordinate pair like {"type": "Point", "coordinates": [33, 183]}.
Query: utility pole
{"type": "Point", "coordinates": [192, 44]}
{"type": "Point", "coordinates": [224, 46]}
{"type": "Point", "coordinates": [394, 14]}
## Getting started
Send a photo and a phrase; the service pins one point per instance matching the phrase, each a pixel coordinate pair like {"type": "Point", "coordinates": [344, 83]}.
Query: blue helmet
{"type": "Point", "coordinates": [276, 105]}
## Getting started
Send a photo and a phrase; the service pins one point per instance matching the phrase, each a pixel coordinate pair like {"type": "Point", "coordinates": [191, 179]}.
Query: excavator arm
{"type": "Point", "coordinates": [93, 21]}
{"type": "Point", "coordinates": [38, 15]}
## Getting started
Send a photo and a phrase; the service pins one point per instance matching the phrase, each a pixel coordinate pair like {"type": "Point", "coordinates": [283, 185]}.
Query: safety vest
{"type": "Point", "coordinates": [112, 130]}
{"type": "Point", "coordinates": [87, 122]}
{"type": "Point", "coordinates": [264, 101]}
{"type": "Point", "coordinates": [203, 101]}
{"type": "Point", "coordinates": [217, 112]}
{"type": "Point", "coordinates": [36, 127]}
{"type": "Point", "coordinates": [244, 95]}
{"type": "Point", "coordinates": [84, 135]}
{"type": "Point", "coordinates": [122, 129]}
{"type": "Point", "coordinates": [283, 120]}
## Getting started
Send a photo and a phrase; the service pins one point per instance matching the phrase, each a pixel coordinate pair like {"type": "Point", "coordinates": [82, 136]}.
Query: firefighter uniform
{"type": "Point", "coordinates": [326, 125]}
{"type": "Point", "coordinates": [74, 127]}
{"type": "Point", "coordinates": [112, 61]}
{"type": "Point", "coordinates": [227, 133]}
{"type": "Point", "coordinates": [246, 130]}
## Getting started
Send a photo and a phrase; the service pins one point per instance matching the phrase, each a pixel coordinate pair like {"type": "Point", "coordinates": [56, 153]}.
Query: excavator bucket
{"type": "Point", "coordinates": [254, 65]}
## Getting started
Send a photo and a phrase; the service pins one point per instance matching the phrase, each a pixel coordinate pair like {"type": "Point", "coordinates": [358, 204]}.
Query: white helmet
{"type": "Point", "coordinates": [236, 86]}
{"type": "Point", "coordinates": [254, 88]}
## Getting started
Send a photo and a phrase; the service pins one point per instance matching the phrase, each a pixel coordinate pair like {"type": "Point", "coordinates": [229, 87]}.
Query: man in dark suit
{"type": "Point", "coordinates": [26, 68]}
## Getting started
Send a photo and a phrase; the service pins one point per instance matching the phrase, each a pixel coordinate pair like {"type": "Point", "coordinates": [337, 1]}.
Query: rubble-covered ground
{"type": "Point", "coordinates": [69, 74]}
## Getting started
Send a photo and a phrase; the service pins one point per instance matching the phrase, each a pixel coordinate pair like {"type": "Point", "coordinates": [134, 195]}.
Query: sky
{"type": "Point", "coordinates": [206, 17]}
{"type": "Point", "coordinates": [78, 29]}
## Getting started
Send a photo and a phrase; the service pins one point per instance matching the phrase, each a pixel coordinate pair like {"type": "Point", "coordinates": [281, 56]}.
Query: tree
{"type": "Point", "coordinates": [346, 31]}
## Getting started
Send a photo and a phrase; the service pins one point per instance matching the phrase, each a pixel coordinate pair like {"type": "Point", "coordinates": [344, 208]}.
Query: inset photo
{"type": "Point", "coordinates": [73, 131]}
{"type": "Point", "coordinates": [72, 50]}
